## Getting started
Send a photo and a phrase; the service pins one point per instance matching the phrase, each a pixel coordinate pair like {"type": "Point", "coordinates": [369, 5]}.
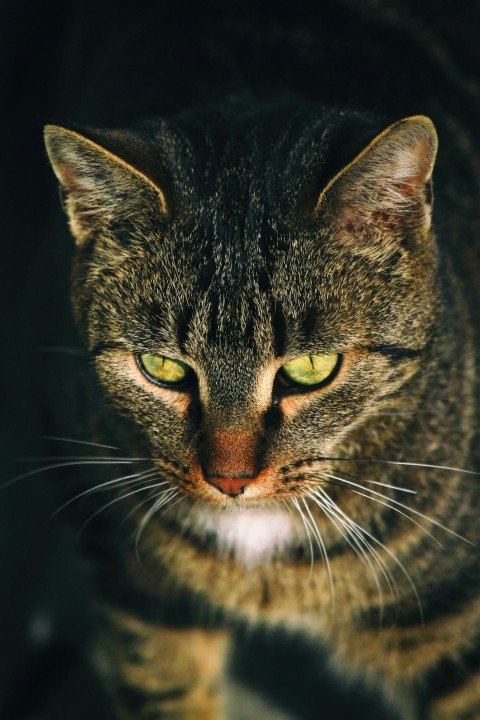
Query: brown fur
{"type": "Point", "coordinates": [262, 277]}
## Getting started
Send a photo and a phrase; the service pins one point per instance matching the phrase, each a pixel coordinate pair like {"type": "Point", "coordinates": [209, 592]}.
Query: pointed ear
{"type": "Point", "coordinates": [99, 189]}
{"type": "Point", "coordinates": [386, 190]}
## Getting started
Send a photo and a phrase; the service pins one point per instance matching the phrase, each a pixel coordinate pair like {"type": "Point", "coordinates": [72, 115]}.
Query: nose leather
{"type": "Point", "coordinates": [230, 486]}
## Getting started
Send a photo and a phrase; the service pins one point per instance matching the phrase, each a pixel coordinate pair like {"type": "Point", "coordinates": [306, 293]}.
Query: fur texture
{"type": "Point", "coordinates": [231, 238]}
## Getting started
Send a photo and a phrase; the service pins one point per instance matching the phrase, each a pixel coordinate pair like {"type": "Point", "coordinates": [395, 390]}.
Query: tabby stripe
{"type": "Point", "coordinates": [459, 693]}
{"type": "Point", "coordinates": [148, 608]}
{"type": "Point", "coordinates": [102, 347]}
{"type": "Point", "coordinates": [397, 353]}
{"type": "Point", "coordinates": [183, 324]}
{"type": "Point", "coordinates": [279, 327]}
{"type": "Point", "coordinates": [406, 616]}
{"type": "Point", "coordinates": [444, 607]}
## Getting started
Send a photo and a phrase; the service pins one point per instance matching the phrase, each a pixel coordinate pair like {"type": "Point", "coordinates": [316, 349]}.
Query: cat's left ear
{"type": "Point", "coordinates": [387, 189]}
{"type": "Point", "coordinates": [99, 188]}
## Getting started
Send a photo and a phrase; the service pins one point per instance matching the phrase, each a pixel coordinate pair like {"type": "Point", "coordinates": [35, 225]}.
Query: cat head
{"type": "Point", "coordinates": [256, 286]}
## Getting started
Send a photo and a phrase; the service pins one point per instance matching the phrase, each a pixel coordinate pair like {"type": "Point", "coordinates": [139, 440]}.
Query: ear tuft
{"type": "Point", "coordinates": [99, 188]}
{"type": "Point", "coordinates": [386, 189]}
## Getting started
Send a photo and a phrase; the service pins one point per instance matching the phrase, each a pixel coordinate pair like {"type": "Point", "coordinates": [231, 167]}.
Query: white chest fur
{"type": "Point", "coordinates": [252, 536]}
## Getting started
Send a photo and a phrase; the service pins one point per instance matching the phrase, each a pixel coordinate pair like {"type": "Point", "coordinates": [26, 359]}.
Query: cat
{"type": "Point", "coordinates": [199, 313]}
{"type": "Point", "coordinates": [283, 348]}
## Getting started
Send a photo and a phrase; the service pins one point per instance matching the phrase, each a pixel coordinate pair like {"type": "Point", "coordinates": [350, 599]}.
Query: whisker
{"type": "Point", "coordinates": [402, 505]}
{"type": "Point", "coordinates": [164, 482]}
{"type": "Point", "coordinates": [390, 507]}
{"type": "Point", "coordinates": [324, 554]}
{"type": "Point", "coordinates": [395, 559]}
{"type": "Point", "coordinates": [404, 463]}
{"type": "Point", "coordinates": [165, 497]}
{"type": "Point", "coordinates": [57, 466]}
{"type": "Point", "coordinates": [426, 465]}
{"type": "Point", "coordinates": [112, 502]}
{"type": "Point", "coordinates": [64, 351]}
{"type": "Point", "coordinates": [372, 482]}
{"type": "Point", "coordinates": [117, 482]}
{"type": "Point", "coordinates": [111, 458]}
{"type": "Point", "coordinates": [121, 482]}
{"type": "Point", "coordinates": [391, 487]}
{"type": "Point", "coordinates": [295, 503]}
{"type": "Point", "coordinates": [78, 442]}
{"type": "Point", "coordinates": [357, 543]}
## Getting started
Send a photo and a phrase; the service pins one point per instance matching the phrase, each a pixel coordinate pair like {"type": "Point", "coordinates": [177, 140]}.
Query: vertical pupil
{"type": "Point", "coordinates": [164, 368]}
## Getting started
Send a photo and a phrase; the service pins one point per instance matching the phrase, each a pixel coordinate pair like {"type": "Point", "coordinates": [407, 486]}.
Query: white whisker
{"type": "Point", "coordinates": [111, 484]}
{"type": "Point", "coordinates": [78, 442]}
{"type": "Point", "coordinates": [400, 504]}
{"type": "Point", "coordinates": [112, 502]}
{"type": "Point", "coordinates": [395, 559]}
{"type": "Point", "coordinates": [165, 497]}
{"type": "Point", "coordinates": [57, 466]}
{"type": "Point", "coordinates": [391, 487]}
{"type": "Point", "coordinates": [104, 458]}
{"type": "Point", "coordinates": [390, 507]}
{"type": "Point", "coordinates": [404, 463]}
{"type": "Point", "coordinates": [78, 352]}
{"type": "Point", "coordinates": [324, 554]}
{"type": "Point", "coordinates": [295, 503]}
{"type": "Point", "coordinates": [164, 482]}
{"type": "Point", "coordinates": [357, 543]}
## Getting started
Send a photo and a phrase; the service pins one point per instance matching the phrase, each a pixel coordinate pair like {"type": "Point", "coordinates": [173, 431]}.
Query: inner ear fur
{"type": "Point", "coordinates": [98, 187]}
{"type": "Point", "coordinates": [387, 187]}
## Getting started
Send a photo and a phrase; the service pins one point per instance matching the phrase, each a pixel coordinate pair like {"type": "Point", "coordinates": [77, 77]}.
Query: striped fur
{"type": "Point", "coordinates": [236, 237]}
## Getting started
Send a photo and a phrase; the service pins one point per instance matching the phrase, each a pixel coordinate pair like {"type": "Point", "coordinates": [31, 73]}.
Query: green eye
{"type": "Point", "coordinates": [311, 369]}
{"type": "Point", "coordinates": [163, 368]}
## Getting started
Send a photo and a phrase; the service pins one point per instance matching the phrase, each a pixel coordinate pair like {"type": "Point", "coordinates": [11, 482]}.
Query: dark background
{"type": "Point", "coordinates": [62, 62]}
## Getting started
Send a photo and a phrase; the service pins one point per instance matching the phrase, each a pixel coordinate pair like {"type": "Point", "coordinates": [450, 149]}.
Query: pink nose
{"type": "Point", "coordinates": [230, 486]}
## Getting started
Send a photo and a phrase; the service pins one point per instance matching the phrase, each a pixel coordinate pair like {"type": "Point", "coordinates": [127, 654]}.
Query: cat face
{"type": "Point", "coordinates": [218, 259]}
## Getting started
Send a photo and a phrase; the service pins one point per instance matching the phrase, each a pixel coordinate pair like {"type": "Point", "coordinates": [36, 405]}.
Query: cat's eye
{"type": "Point", "coordinates": [163, 369]}
{"type": "Point", "coordinates": [310, 370]}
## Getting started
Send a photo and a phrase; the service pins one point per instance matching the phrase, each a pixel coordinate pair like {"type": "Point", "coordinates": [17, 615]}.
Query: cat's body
{"type": "Point", "coordinates": [238, 237]}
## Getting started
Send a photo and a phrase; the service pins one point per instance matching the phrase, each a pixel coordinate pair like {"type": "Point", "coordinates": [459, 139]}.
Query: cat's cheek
{"type": "Point", "coordinates": [122, 364]}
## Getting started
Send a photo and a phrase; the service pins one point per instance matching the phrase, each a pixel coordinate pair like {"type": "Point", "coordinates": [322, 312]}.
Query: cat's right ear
{"type": "Point", "coordinates": [98, 188]}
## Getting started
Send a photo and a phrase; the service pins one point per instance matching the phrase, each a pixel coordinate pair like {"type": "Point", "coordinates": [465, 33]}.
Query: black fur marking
{"type": "Point", "coordinates": [183, 325]}
{"type": "Point", "coordinates": [280, 332]}
{"type": "Point", "coordinates": [396, 353]}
